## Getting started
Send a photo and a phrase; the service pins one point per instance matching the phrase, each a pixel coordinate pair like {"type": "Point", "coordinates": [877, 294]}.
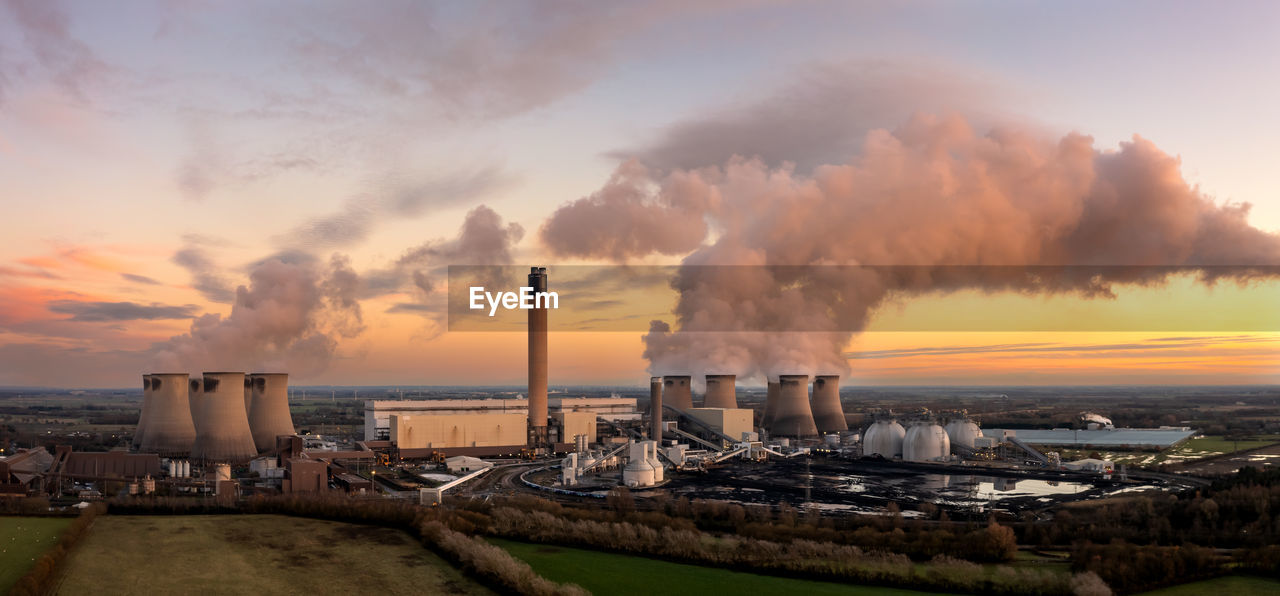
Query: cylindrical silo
{"type": "Point", "coordinates": [222, 432]}
{"type": "Point", "coordinates": [269, 409]}
{"type": "Point", "coordinates": [770, 403]}
{"type": "Point", "coordinates": [926, 441]}
{"type": "Point", "coordinates": [140, 430]}
{"type": "Point", "coordinates": [638, 471]}
{"type": "Point", "coordinates": [793, 417]}
{"type": "Point", "coordinates": [827, 411]}
{"type": "Point", "coordinates": [721, 392]}
{"type": "Point", "coordinates": [171, 431]}
{"type": "Point", "coordinates": [538, 361]}
{"type": "Point", "coordinates": [884, 438]}
{"type": "Point", "coordinates": [676, 392]}
{"type": "Point", "coordinates": [655, 408]}
{"type": "Point", "coordinates": [651, 454]}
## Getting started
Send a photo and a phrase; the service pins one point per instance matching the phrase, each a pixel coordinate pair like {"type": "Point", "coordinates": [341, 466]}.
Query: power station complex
{"type": "Point", "coordinates": [220, 421]}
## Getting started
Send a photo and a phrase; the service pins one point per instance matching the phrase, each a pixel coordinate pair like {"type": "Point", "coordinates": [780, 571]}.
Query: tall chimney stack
{"type": "Point", "coordinates": [827, 412]}
{"type": "Point", "coordinates": [655, 407]}
{"type": "Point", "coordinates": [721, 392]}
{"type": "Point", "coordinates": [793, 417]}
{"type": "Point", "coordinates": [676, 392]}
{"type": "Point", "coordinates": [538, 361]}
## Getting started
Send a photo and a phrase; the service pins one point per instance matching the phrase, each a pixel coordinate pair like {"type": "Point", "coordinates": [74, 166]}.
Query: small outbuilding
{"type": "Point", "coordinates": [465, 463]}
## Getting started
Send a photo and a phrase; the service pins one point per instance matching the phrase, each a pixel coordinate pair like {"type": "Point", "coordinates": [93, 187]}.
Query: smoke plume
{"type": "Point", "coordinates": [289, 318]}
{"type": "Point", "coordinates": [933, 194]}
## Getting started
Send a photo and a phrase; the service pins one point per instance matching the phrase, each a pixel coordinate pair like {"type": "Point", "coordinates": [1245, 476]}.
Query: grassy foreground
{"type": "Point", "coordinates": [1235, 585]}
{"type": "Point", "coordinates": [254, 554]}
{"type": "Point", "coordinates": [22, 541]}
{"type": "Point", "coordinates": [620, 575]}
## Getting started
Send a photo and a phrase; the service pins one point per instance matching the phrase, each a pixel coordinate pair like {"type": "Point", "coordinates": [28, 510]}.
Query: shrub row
{"type": "Point", "coordinates": [44, 575]}
{"type": "Point", "coordinates": [797, 558]}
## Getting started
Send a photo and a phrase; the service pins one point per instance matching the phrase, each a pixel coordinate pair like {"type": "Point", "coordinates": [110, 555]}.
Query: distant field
{"type": "Point", "coordinates": [622, 575]}
{"type": "Point", "coordinates": [1191, 450]}
{"type": "Point", "coordinates": [1235, 585]}
{"type": "Point", "coordinates": [22, 541]}
{"type": "Point", "coordinates": [254, 554]}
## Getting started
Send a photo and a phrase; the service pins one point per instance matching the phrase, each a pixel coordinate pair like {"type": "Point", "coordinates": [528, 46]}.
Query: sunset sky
{"type": "Point", "coordinates": [335, 158]}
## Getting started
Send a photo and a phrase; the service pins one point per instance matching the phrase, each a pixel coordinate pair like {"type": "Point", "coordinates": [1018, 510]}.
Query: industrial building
{"type": "Point", "coordinates": [616, 409]}
{"type": "Point", "coordinates": [488, 423]}
{"type": "Point", "coordinates": [441, 431]}
{"type": "Point", "coordinates": [377, 413]}
{"type": "Point", "coordinates": [730, 422]}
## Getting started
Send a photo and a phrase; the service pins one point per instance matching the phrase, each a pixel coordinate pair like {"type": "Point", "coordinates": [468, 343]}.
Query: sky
{"type": "Point", "coordinates": [196, 185]}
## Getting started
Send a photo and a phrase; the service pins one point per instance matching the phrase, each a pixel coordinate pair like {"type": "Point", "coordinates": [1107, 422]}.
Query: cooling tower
{"type": "Point", "coordinates": [721, 392]}
{"type": "Point", "coordinates": [141, 430]}
{"type": "Point", "coordinates": [195, 400]}
{"type": "Point", "coordinates": [655, 408]}
{"type": "Point", "coordinates": [884, 438]}
{"type": "Point", "coordinates": [269, 409]}
{"type": "Point", "coordinates": [222, 427]}
{"type": "Point", "coordinates": [827, 412]}
{"type": "Point", "coordinates": [170, 430]}
{"type": "Point", "coordinates": [926, 441]}
{"type": "Point", "coordinates": [770, 403]}
{"type": "Point", "coordinates": [538, 361]}
{"type": "Point", "coordinates": [963, 431]}
{"type": "Point", "coordinates": [792, 417]}
{"type": "Point", "coordinates": [248, 394]}
{"type": "Point", "coordinates": [677, 393]}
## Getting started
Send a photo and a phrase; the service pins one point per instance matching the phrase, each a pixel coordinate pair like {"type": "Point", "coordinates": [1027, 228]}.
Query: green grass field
{"type": "Point", "coordinates": [254, 554]}
{"type": "Point", "coordinates": [22, 541]}
{"type": "Point", "coordinates": [609, 574]}
{"type": "Point", "coordinates": [1235, 585]}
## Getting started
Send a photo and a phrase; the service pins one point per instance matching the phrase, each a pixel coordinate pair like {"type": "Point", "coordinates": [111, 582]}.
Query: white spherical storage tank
{"type": "Point", "coordinates": [963, 432]}
{"type": "Point", "coordinates": [884, 438]}
{"type": "Point", "coordinates": [926, 441]}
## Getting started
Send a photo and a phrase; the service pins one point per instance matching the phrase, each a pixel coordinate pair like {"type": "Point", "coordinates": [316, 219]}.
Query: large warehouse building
{"type": "Point", "coordinates": [432, 431]}
{"type": "Point", "coordinates": [486, 425]}
{"type": "Point", "coordinates": [378, 413]}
